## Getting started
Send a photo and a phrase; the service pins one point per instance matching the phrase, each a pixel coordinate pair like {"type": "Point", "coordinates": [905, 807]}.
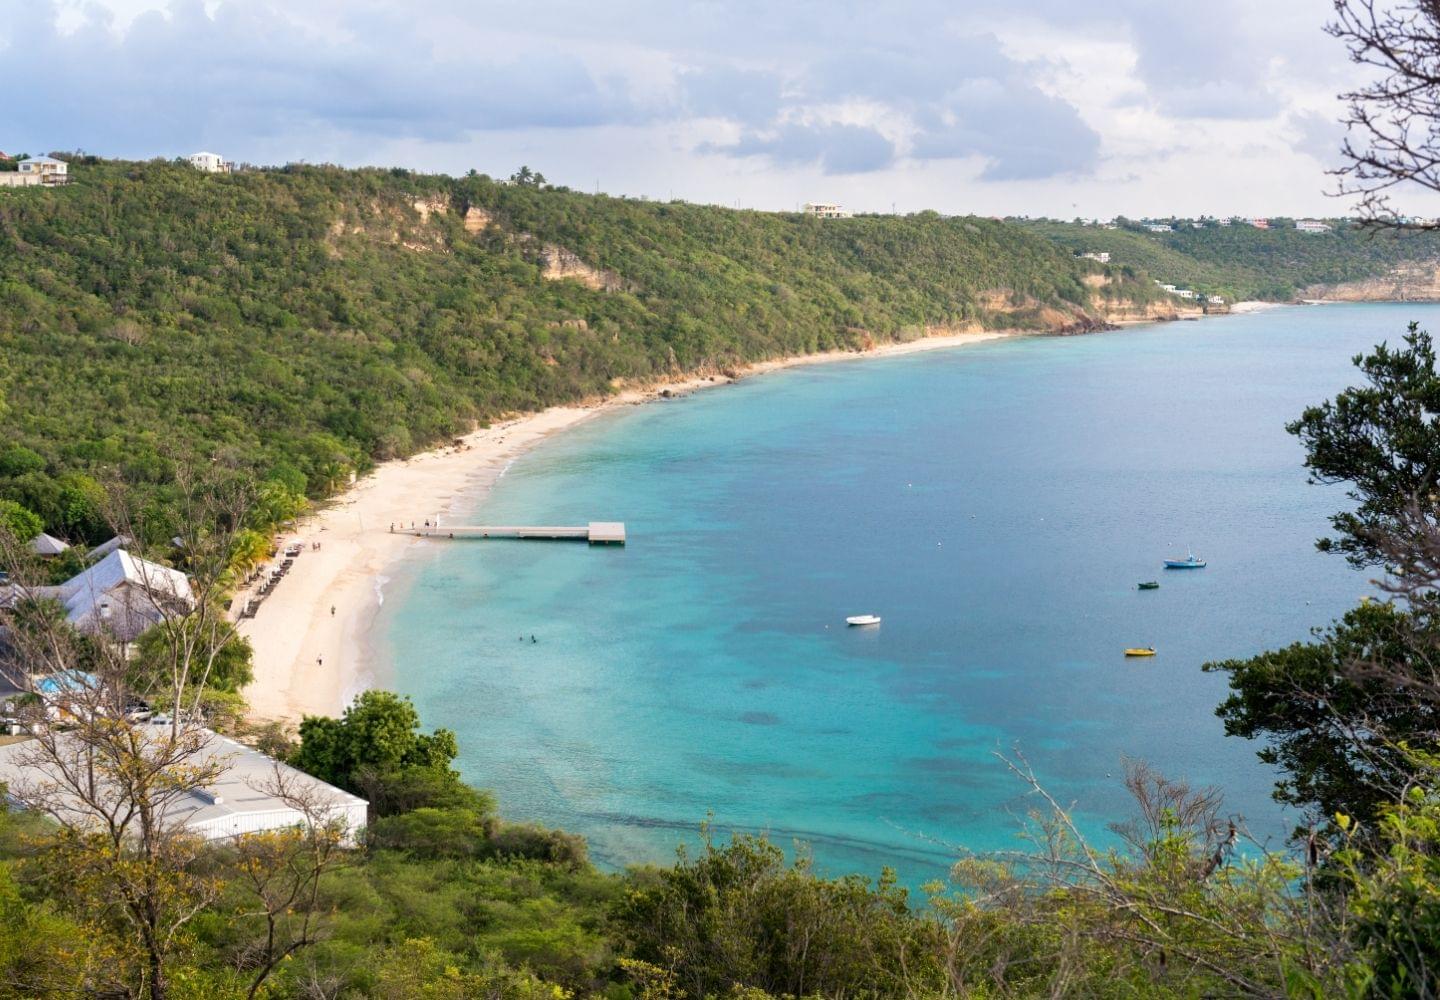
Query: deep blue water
{"type": "Point", "coordinates": [996, 504]}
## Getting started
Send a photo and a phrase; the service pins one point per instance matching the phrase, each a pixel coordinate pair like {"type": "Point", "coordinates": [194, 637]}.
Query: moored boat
{"type": "Point", "coordinates": [1149, 585]}
{"type": "Point", "coordinates": [1140, 651]}
{"type": "Point", "coordinates": [1189, 562]}
{"type": "Point", "coordinates": [863, 620]}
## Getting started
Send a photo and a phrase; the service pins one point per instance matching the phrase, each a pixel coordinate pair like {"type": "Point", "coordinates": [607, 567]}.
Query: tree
{"type": "Point", "coordinates": [1383, 438]}
{"type": "Point", "coordinates": [22, 524]}
{"type": "Point", "coordinates": [113, 786]}
{"type": "Point", "coordinates": [375, 744]}
{"type": "Point", "coordinates": [18, 460]}
{"type": "Point", "coordinates": [1391, 120]}
{"type": "Point", "coordinates": [283, 872]}
{"type": "Point", "coordinates": [1331, 715]}
{"type": "Point", "coordinates": [223, 655]}
{"type": "Point", "coordinates": [525, 177]}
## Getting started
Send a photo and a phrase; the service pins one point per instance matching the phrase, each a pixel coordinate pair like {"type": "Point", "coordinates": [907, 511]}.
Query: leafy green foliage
{"type": "Point", "coordinates": [740, 916]}
{"type": "Point", "coordinates": [1394, 896]}
{"type": "Point", "coordinates": [1383, 438]}
{"type": "Point", "coordinates": [1319, 716]}
{"type": "Point", "coordinates": [221, 654]}
{"type": "Point", "coordinates": [21, 524]}
{"type": "Point", "coordinates": [300, 324]}
{"type": "Point", "coordinates": [374, 749]}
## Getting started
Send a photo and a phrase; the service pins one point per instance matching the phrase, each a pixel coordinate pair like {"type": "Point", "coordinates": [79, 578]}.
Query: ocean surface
{"type": "Point", "coordinates": [996, 504]}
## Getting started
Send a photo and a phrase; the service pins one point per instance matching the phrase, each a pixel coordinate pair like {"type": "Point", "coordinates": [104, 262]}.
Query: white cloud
{"type": "Point", "coordinates": [1025, 106]}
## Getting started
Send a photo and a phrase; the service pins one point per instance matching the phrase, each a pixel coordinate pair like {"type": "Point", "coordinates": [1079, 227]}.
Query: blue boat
{"type": "Point", "coordinates": [1189, 562]}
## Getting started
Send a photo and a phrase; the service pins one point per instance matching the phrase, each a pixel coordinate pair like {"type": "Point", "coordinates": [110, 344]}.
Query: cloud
{"type": "Point", "coordinates": [1318, 135]}
{"type": "Point", "coordinates": [1022, 133]}
{"type": "Point", "coordinates": [949, 97]}
{"type": "Point", "coordinates": [718, 99]}
{"type": "Point", "coordinates": [183, 76]}
{"type": "Point", "coordinates": [835, 148]}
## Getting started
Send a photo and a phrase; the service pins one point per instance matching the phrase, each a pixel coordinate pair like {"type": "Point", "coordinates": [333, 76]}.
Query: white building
{"type": "Point", "coordinates": [1101, 256]}
{"type": "Point", "coordinates": [825, 210]}
{"type": "Point", "coordinates": [1185, 293]}
{"type": "Point", "coordinates": [1160, 227]}
{"type": "Point", "coordinates": [1258, 223]}
{"type": "Point", "coordinates": [47, 546]}
{"type": "Point", "coordinates": [119, 596]}
{"type": "Point", "coordinates": [1216, 300]}
{"type": "Point", "coordinates": [47, 168]}
{"type": "Point", "coordinates": [244, 799]}
{"type": "Point", "coordinates": [1313, 226]}
{"type": "Point", "coordinates": [42, 170]}
{"type": "Point", "coordinates": [210, 163]}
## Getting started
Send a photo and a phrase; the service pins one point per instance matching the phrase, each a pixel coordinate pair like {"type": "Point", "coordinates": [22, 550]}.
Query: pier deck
{"type": "Point", "coordinates": [596, 532]}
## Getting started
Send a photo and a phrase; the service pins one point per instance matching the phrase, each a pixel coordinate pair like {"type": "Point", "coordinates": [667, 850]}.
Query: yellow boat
{"type": "Point", "coordinates": [1139, 651]}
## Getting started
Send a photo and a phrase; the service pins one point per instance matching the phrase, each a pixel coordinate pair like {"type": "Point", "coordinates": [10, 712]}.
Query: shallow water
{"type": "Point", "coordinates": [997, 504]}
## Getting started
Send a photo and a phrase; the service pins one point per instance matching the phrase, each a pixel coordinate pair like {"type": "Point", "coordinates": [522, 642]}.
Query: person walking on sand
{"type": "Point", "coordinates": [320, 661]}
{"type": "Point", "coordinates": [332, 611]}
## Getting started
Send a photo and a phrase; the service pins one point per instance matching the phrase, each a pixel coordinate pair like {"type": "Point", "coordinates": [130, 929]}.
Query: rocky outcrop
{"type": "Point", "coordinates": [477, 220]}
{"type": "Point", "coordinates": [559, 264]}
{"type": "Point", "coordinates": [1413, 282]}
{"type": "Point", "coordinates": [431, 206]}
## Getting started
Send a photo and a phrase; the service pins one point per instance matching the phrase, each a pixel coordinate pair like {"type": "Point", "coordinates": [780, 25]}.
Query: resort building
{"type": "Point", "coordinates": [1185, 293]}
{"type": "Point", "coordinates": [119, 596]}
{"type": "Point", "coordinates": [1258, 223]}
{"type": "Point", "coordinates": [210, 163]}
{"type": "Point", "coordinates": [47, 546]}
{"type": "Point", "coordinates": [1100, 256]}
{"type": "Point", "coordinates": [1160, 227]}
{"type": "Point", "coordinates": [1216, 300]}
{"type": "Point", "coordinates": [1312, 226]}
{"type": "Point", "coordinates": [825, 210]}
{"type": "Point", "coordinates": [244, 799]}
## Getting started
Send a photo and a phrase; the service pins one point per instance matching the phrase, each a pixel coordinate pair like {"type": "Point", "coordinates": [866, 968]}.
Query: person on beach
{"type": "Point", "coordinates": [332, 611]}
{"type": "Point", "coordinates": [320, 661]}
{"type": "Point", "coordinates": [533, 639]}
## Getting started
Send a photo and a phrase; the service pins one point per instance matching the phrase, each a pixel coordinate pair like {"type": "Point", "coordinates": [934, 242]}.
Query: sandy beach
{"type": "Point", "coordinates": [310, 636]}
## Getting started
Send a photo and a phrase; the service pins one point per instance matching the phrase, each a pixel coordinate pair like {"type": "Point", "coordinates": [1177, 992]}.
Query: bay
{"type": "Point", "coordinates": [996, 504]}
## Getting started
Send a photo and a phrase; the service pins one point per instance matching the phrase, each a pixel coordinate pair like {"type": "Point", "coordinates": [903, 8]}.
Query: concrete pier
{"type": "Point", "coordinates": [596, 532]}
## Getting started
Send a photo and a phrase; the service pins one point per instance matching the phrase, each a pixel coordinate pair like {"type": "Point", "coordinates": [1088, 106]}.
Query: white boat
{"type": "Point", "coordinates": [863, 620]}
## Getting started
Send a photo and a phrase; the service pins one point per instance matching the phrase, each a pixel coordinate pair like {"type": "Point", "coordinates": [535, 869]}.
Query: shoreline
{"type": "Point", "coordinates": [310, 636]}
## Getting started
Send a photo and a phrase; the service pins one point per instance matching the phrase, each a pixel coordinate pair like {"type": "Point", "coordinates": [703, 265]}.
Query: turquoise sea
{"type": "Point", "coordinates": [996, 504]}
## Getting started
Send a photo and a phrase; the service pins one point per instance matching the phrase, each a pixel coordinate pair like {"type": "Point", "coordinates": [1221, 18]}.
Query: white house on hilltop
{"type": "Point", "coordinates": [825, 210]}
{"type": "Point", "coordinates": [1312, 226]}
{"type": "Point", "coordinates": [210, 163]}
{"type": "Point", "coordinates": [42, 170]}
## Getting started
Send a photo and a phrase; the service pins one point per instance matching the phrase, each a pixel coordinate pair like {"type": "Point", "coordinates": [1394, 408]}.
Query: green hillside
{"type": "Point", "coordinates": [1241, 262]}
{"type": "Point", "coordinates": [308, 321]}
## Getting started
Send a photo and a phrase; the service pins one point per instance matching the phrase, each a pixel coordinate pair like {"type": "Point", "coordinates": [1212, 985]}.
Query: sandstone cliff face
{"type": "Point", "coordinates": [559, 264]}
{"type": "Point", "coordinates": [1416, 282]}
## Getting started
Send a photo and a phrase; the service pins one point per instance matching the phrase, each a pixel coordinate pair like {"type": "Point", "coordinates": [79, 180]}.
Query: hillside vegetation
{"type": "Point", "coordinates": [305, 322]}
{"type": "Point", "coordinates": [1241, 262]}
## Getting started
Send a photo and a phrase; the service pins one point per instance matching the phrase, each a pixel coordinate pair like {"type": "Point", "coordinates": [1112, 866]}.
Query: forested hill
{"type": "Point", "coordinates": [1239, 261]}
{"type": "Point", "coordinates": [307, 321]}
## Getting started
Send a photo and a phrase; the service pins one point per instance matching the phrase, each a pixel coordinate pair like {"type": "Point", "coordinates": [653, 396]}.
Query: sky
{"type": "Point", "coordinates": [992, 107]}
